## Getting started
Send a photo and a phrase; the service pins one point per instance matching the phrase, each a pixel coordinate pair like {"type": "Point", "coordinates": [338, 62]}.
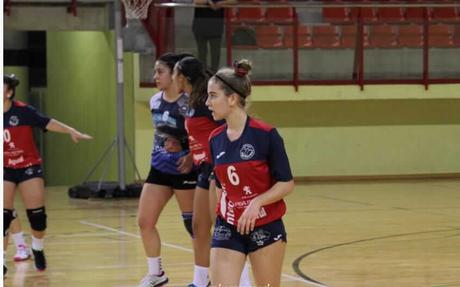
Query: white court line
{"type": "Point", "coordinates": [287, 276]}
{"type": "Point", "coordinates": [133, 235]}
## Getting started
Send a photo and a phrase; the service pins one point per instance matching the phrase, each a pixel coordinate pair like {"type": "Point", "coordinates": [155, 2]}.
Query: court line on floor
{"type": "Point", "coordinates": [100, 226]}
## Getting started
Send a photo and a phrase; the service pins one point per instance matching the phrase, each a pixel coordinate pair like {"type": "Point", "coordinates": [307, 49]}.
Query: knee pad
{"type": "Point", "coordinates": [187, 218]}
{"type": "Point", "coordinates": [8, 216]}
{"type": "Point", "coordinates": [37, 218]}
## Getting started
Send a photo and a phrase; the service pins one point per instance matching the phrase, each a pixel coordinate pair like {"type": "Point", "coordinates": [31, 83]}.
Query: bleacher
{"type": "Point", "coordinates": [384, 27]}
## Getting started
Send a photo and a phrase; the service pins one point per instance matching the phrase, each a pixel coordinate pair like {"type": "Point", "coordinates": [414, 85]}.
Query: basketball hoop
{"type": "Point", "coordinates": [136, 9]}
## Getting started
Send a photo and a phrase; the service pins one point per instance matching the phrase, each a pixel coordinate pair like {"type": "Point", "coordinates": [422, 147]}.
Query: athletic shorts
{"type": "Point", "coordinates": [204, 175]}
{"type": "Point", "coordinates": [226, 236]}
{"type": "Point", "coordinates": [175, 181]}
{"type": "Point", "coordinates": [18, 175]}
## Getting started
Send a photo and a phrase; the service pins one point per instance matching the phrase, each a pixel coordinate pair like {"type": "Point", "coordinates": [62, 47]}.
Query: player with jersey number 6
{"type": "Point", "coordinates": [22, 165]}
{"type": "Point", "coordinates": [253, 176]}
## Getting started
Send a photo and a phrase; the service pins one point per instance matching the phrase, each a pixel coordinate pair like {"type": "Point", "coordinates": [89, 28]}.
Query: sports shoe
{"type": "Point", "coordinates": [193, 285]}
{"type": "Point", "coordinates": [5, 270]}
{"type": "Point", "coordinates": [154, 280]}
{"type": "Point", "coordinates": [22, 253]}
{"type": "Point", "coordinates": [39, 259]}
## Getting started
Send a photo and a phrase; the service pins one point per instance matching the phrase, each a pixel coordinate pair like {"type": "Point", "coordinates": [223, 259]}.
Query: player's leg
{"type": "Point", "coordinates": [228, 254]}
{"type": "Point", "coordinates": [245, 279]}
{"type": "Point", "coordinates": [226, 267]}
{"type": "Point", "coordinates": [153, 199]}
{"type": "Point", "coordinates": [22, 250]}
{"type": "Point", "coordinates": [202, 236]}
{"type": "Point", "coordinates": [268, 272]}
{"type": "Point", "coordinates": [9, 189]}
{"type": "Point", "coordinates": [33, 195]}
{"type": "Point", "coordinates": [267, 241]}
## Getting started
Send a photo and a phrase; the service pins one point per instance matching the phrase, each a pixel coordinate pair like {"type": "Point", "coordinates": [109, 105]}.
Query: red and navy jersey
{"type": "Point", "coordinates": [247, 167]}
{"type": "Point", "coordinates": [199, 124]}
{"type": "Point", "coordinates": [19, 150]}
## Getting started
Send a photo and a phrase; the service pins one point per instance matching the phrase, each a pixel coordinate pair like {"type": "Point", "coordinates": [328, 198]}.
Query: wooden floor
{"type": "Point", "coordinates": [339, 234]}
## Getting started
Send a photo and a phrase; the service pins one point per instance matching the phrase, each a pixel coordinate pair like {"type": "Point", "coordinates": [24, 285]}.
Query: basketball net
{"type": "Point", "coordinates": [136, 9]}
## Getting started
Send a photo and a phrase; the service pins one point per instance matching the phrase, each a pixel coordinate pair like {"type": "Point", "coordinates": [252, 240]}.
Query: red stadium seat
{"type": "Point", "coordinates": [457, 35]}
{"type": "Point", "coordinates": [441, 36]}
{"type": "Point", "coordinates": [336, 14]}
{"type": "Point", "coordinates": [368, 13]}
{"type": "Point", "coordinates": [415, 14]}
{"type": "Point", "coordinates": [349, 36]}
{"type": "Point", "coordinates": [445, 13]}
{"type": "Point", "coordinates": [280, 15]}
{"type": "Point", "coordinates": [251, 14]}
{"type": "Point", "coordinates": [382, 36]}
{"type": "Point", "coordinates": [391, 14]}
{"type": "Point", "coordinates": [325, 37]}
{"type": "Point", "coordinates": [411, 36]}
{"type": "Point", "coordinates": [269, 37]}
{"type": "Point", "coordinates": [304, 36]}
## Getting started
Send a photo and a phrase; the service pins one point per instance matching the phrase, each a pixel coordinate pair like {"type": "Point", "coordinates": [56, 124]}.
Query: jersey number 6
{"type": "Point", "coordinates": [232, 175]}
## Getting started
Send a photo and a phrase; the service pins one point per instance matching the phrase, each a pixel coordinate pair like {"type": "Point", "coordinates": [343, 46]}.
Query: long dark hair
{"type": "Point", "coordinates": [170, 59]}
{"type": "Point", "coordinates": [196, 73]}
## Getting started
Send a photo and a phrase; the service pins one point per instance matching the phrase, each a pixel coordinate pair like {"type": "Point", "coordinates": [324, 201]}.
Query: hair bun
{"type": "Point", "coordinates": [10, 80]}
{"type": "Point", "coordinates": [242, 67]}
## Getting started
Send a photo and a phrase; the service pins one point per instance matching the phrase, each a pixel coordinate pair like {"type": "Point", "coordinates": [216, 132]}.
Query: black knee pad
{"type": "Point", "coordinates": [37, 218]}
{"type": "Point", "coordinates": [8, 216]}
{"type": "Point", "coordinates": [187, 218]}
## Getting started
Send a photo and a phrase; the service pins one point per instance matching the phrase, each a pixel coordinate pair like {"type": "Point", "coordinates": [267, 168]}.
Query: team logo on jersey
{"type": "Point", "coordinates": [14, 121]}
{"type": "Point", "coordinates": [260, 237]}
{"type": "Point", "coordinates": [247, 152]}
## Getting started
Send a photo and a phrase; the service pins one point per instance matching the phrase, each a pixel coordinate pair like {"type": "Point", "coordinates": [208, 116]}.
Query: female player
{"type": "Point", "coordinates": [171, 167]}
{"type": "Point", "coordinates": [22, 164]}
{"type": "Point", "coordinates": [190, 76]}
{"type": "Point", "coordinates": [253, 175]}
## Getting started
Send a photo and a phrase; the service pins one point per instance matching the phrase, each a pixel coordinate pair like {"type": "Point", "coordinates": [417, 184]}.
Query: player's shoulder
{"type": "Point", "coordinates": [260, 125]}
{"type": "Point", "coordinates": [217, 131]}
{"type": "Point", "coordinates": [155, 100]}
{"type": "Point", "coordinates": [20, 104]}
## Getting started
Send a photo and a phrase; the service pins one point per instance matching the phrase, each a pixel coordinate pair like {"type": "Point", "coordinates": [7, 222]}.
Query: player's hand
{"type": "Point", "coordinates": [213, 5]}
{"type": "Point", "coordinates": [247, 221]}
{"type": "Point", "coordinates": [76, 136]}
{"type": "Point", "coordinates": [185, 164]}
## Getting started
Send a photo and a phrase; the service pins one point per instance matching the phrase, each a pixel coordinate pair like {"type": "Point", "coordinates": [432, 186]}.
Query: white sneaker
{"type": "Point", "coordinates": [22, 253]}
{"type": "Point", "coordinates": [154, 280]}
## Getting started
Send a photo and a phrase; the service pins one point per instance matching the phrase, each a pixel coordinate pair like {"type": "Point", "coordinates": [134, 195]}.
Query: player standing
{"type": "Point", "coordinates": [22, 165]}
{"type": "Point", "coordinates": [171, 167]}
{"type": "Point", "coordinates": [253, 174]}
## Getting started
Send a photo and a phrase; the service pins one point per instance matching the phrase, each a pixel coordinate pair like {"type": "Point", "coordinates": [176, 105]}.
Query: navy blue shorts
{"type": "Point", "coordinates": [226, 236]}
{"type": "Point", "coordinates": [18, 175]}
{"type": "Point", "coordinates": [204, 175]}
{"type": "Point", "coordinates": [176, 181]}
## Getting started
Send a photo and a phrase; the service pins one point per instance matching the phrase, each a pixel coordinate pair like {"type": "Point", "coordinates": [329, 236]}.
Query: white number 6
{"type": "Point", "coordinates": [232, 175]}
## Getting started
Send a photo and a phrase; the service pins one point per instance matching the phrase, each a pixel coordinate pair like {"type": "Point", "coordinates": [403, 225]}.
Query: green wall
{"type": "Point", "coordinates": [81, 93]}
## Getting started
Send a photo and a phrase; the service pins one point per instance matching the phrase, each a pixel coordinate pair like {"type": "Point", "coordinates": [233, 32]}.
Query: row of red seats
{"type": "Point", "coordinates": [257, 15]}
{"type": "Point", "coordinates": [389, 14]}
{"type": "Point", "coordinates": [344, 36]}
{"type": "Point", "coordinates": [345, 14]}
